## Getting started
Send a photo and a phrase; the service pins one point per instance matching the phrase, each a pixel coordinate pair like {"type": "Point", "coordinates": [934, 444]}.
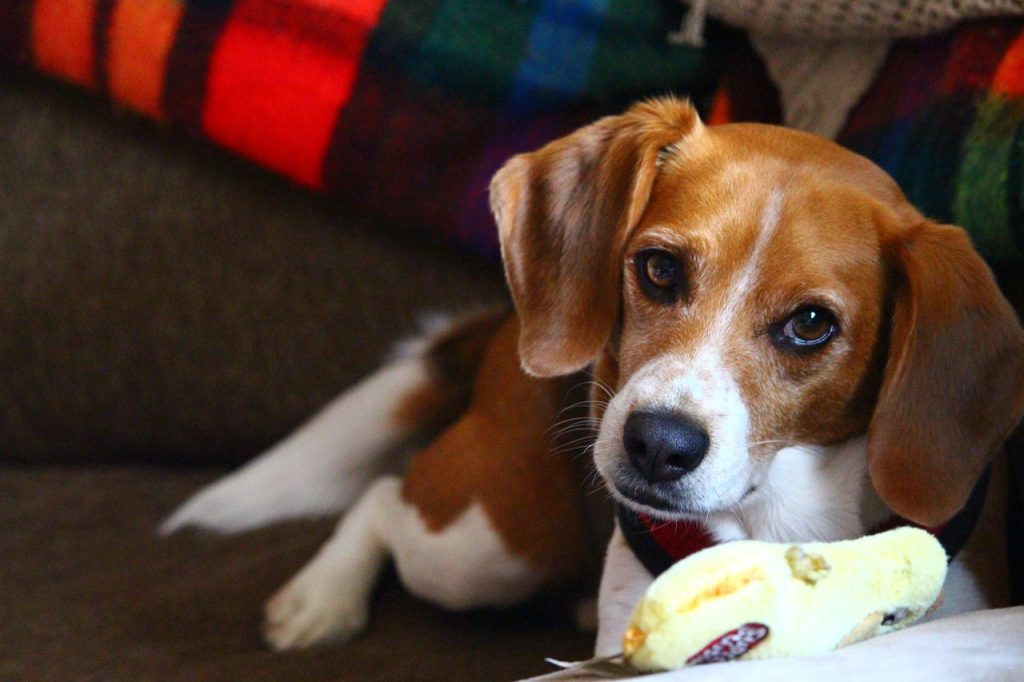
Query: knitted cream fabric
{"type": "Point", "coordinates": [857, 19]}
{"type": "Point", "coordinates": [824, 54]}
{"type": "Point", "coordinates": [819, 82]}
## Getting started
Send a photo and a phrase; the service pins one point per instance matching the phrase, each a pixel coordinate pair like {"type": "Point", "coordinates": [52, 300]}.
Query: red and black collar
{"type": "Point", "coordinates": [659, 544]}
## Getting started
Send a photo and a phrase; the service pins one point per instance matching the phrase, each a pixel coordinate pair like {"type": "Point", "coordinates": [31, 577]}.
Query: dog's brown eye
{"type": "Point", "coordinates": [809, 328]}
{"type": "Point", "coordinates": [659, 274]}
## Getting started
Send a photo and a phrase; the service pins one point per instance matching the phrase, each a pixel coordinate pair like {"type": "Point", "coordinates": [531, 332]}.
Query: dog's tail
{"type": "Point", "coordinates": [365, 432]}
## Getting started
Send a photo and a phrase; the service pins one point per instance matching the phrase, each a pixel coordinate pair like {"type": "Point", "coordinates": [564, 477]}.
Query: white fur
{"type": "Point", "coordinates": [623, 581]}
{"type": "Point", "coordinates": [329, 598]}
{"type": "Point", "coordinates": [747, 277]}
{"type": "Point", "coordinates": [705, 391]}
{"type": "Point", "coordinates": [320, 468]}
{"type": "Point", "coordinates": [961, 592]}
{"type": "Point", "coordinates": [809, 494]}
{"type": "Point", "coordinates": [464, 566]}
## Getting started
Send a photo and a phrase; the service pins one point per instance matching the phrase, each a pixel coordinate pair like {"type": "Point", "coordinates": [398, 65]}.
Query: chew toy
{"type": "Point", "coordinates": [760, 600]}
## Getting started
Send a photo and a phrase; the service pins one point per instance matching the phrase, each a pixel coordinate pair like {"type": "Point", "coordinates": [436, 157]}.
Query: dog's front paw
{"type": "Point", "coordinates": [312, 610]}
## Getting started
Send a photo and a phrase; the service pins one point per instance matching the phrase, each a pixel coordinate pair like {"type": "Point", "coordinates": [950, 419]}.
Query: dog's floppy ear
{"type": "Point", "coordinates": [564, 213]}
{"type": "Point", "coordinates": [953, 386]}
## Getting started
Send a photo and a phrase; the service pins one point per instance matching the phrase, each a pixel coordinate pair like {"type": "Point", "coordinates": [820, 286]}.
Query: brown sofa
{"type": "Point", "coordinates": [168, 312]}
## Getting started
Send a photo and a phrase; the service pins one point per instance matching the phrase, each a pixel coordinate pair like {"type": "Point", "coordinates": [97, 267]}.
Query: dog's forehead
{"type": "Point", "coordinates": [791, 198]}
{"type": "Point", "coordinates": [747, 153]}
{"type": "Point", "coordinates": [797, 149]}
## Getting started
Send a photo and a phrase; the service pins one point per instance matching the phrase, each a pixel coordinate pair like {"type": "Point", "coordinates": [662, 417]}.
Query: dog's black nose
{"type": "Point", "coordinates": [663, 447]}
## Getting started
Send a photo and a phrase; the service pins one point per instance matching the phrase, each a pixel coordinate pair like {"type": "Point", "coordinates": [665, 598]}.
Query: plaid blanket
{"type": "Point", "coordinates": [945, 118]}
{"type": "Point", "coordinates": [405, 108]}
{"type": "Point", "coordinates": [401, 108]}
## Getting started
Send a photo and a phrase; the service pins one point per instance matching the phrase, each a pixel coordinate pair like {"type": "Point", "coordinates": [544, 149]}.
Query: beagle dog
{"type": "Point", "coordinates": [777, 346]}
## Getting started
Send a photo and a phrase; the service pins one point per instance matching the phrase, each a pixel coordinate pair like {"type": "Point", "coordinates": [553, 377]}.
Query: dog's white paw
{"type": "Point", "coordinates": [312, 610]}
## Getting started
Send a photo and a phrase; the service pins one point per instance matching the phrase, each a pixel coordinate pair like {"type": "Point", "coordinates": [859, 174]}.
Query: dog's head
{"type": "Point", "coordinates": [742, 288]}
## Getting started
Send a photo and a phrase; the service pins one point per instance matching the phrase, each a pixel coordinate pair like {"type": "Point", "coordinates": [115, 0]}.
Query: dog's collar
{"type": "Point", "coordinates": [659, 544]}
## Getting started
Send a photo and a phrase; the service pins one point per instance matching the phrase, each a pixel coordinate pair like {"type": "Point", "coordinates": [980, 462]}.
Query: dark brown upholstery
{"type": "Point", "coordinates": [88, 592]}
{"type": "Point", "coordinates": [165, 303]}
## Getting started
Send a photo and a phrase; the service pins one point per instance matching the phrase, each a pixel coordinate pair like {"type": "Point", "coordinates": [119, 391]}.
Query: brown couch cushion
{"type": "Point", "coordinates": [164, 301]}
{"type": "Point", "coordinates": [89, 592]}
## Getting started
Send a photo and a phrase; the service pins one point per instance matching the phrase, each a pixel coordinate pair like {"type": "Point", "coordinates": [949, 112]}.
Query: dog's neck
{"type": "Point", "coordinates": [809, 493]}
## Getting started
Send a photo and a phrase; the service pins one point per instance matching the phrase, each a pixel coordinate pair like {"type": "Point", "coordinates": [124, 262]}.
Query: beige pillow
{"type": "Point", "coordinates": [856, 19]}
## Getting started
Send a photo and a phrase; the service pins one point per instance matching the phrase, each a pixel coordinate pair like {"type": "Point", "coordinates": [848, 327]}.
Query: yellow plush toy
{"type": "Point", "coordinates": [760, 600]}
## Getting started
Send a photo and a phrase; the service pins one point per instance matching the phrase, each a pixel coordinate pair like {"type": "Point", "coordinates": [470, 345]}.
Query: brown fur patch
{"type": "Point", "coordinates": [500, 453]}
{"type": "Point", "coordinates": [453, 358]}
{"type": "Point", "coordinates": [954, 385]}
{"type": "Point", "coordinates": [578, 197]}
{"type": "Point", "coordinates": [427, 404]}
{"type": "Point", "coordinates": [456, 353]}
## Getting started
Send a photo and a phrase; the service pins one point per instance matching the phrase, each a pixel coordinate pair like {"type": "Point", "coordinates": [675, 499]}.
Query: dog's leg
{"type": "Point", "coordinates": [329, 599]}
{"type": "Point", "coordinates": [321, 467]}
{"type": "Point", "coordinates": [454, 524]}
{"type": "Point", "coordinates": [461, 566]}
{"type": "Point", "coordinates": [623, 583]}
{"type": "Point", "coordinates": [978, 577]}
